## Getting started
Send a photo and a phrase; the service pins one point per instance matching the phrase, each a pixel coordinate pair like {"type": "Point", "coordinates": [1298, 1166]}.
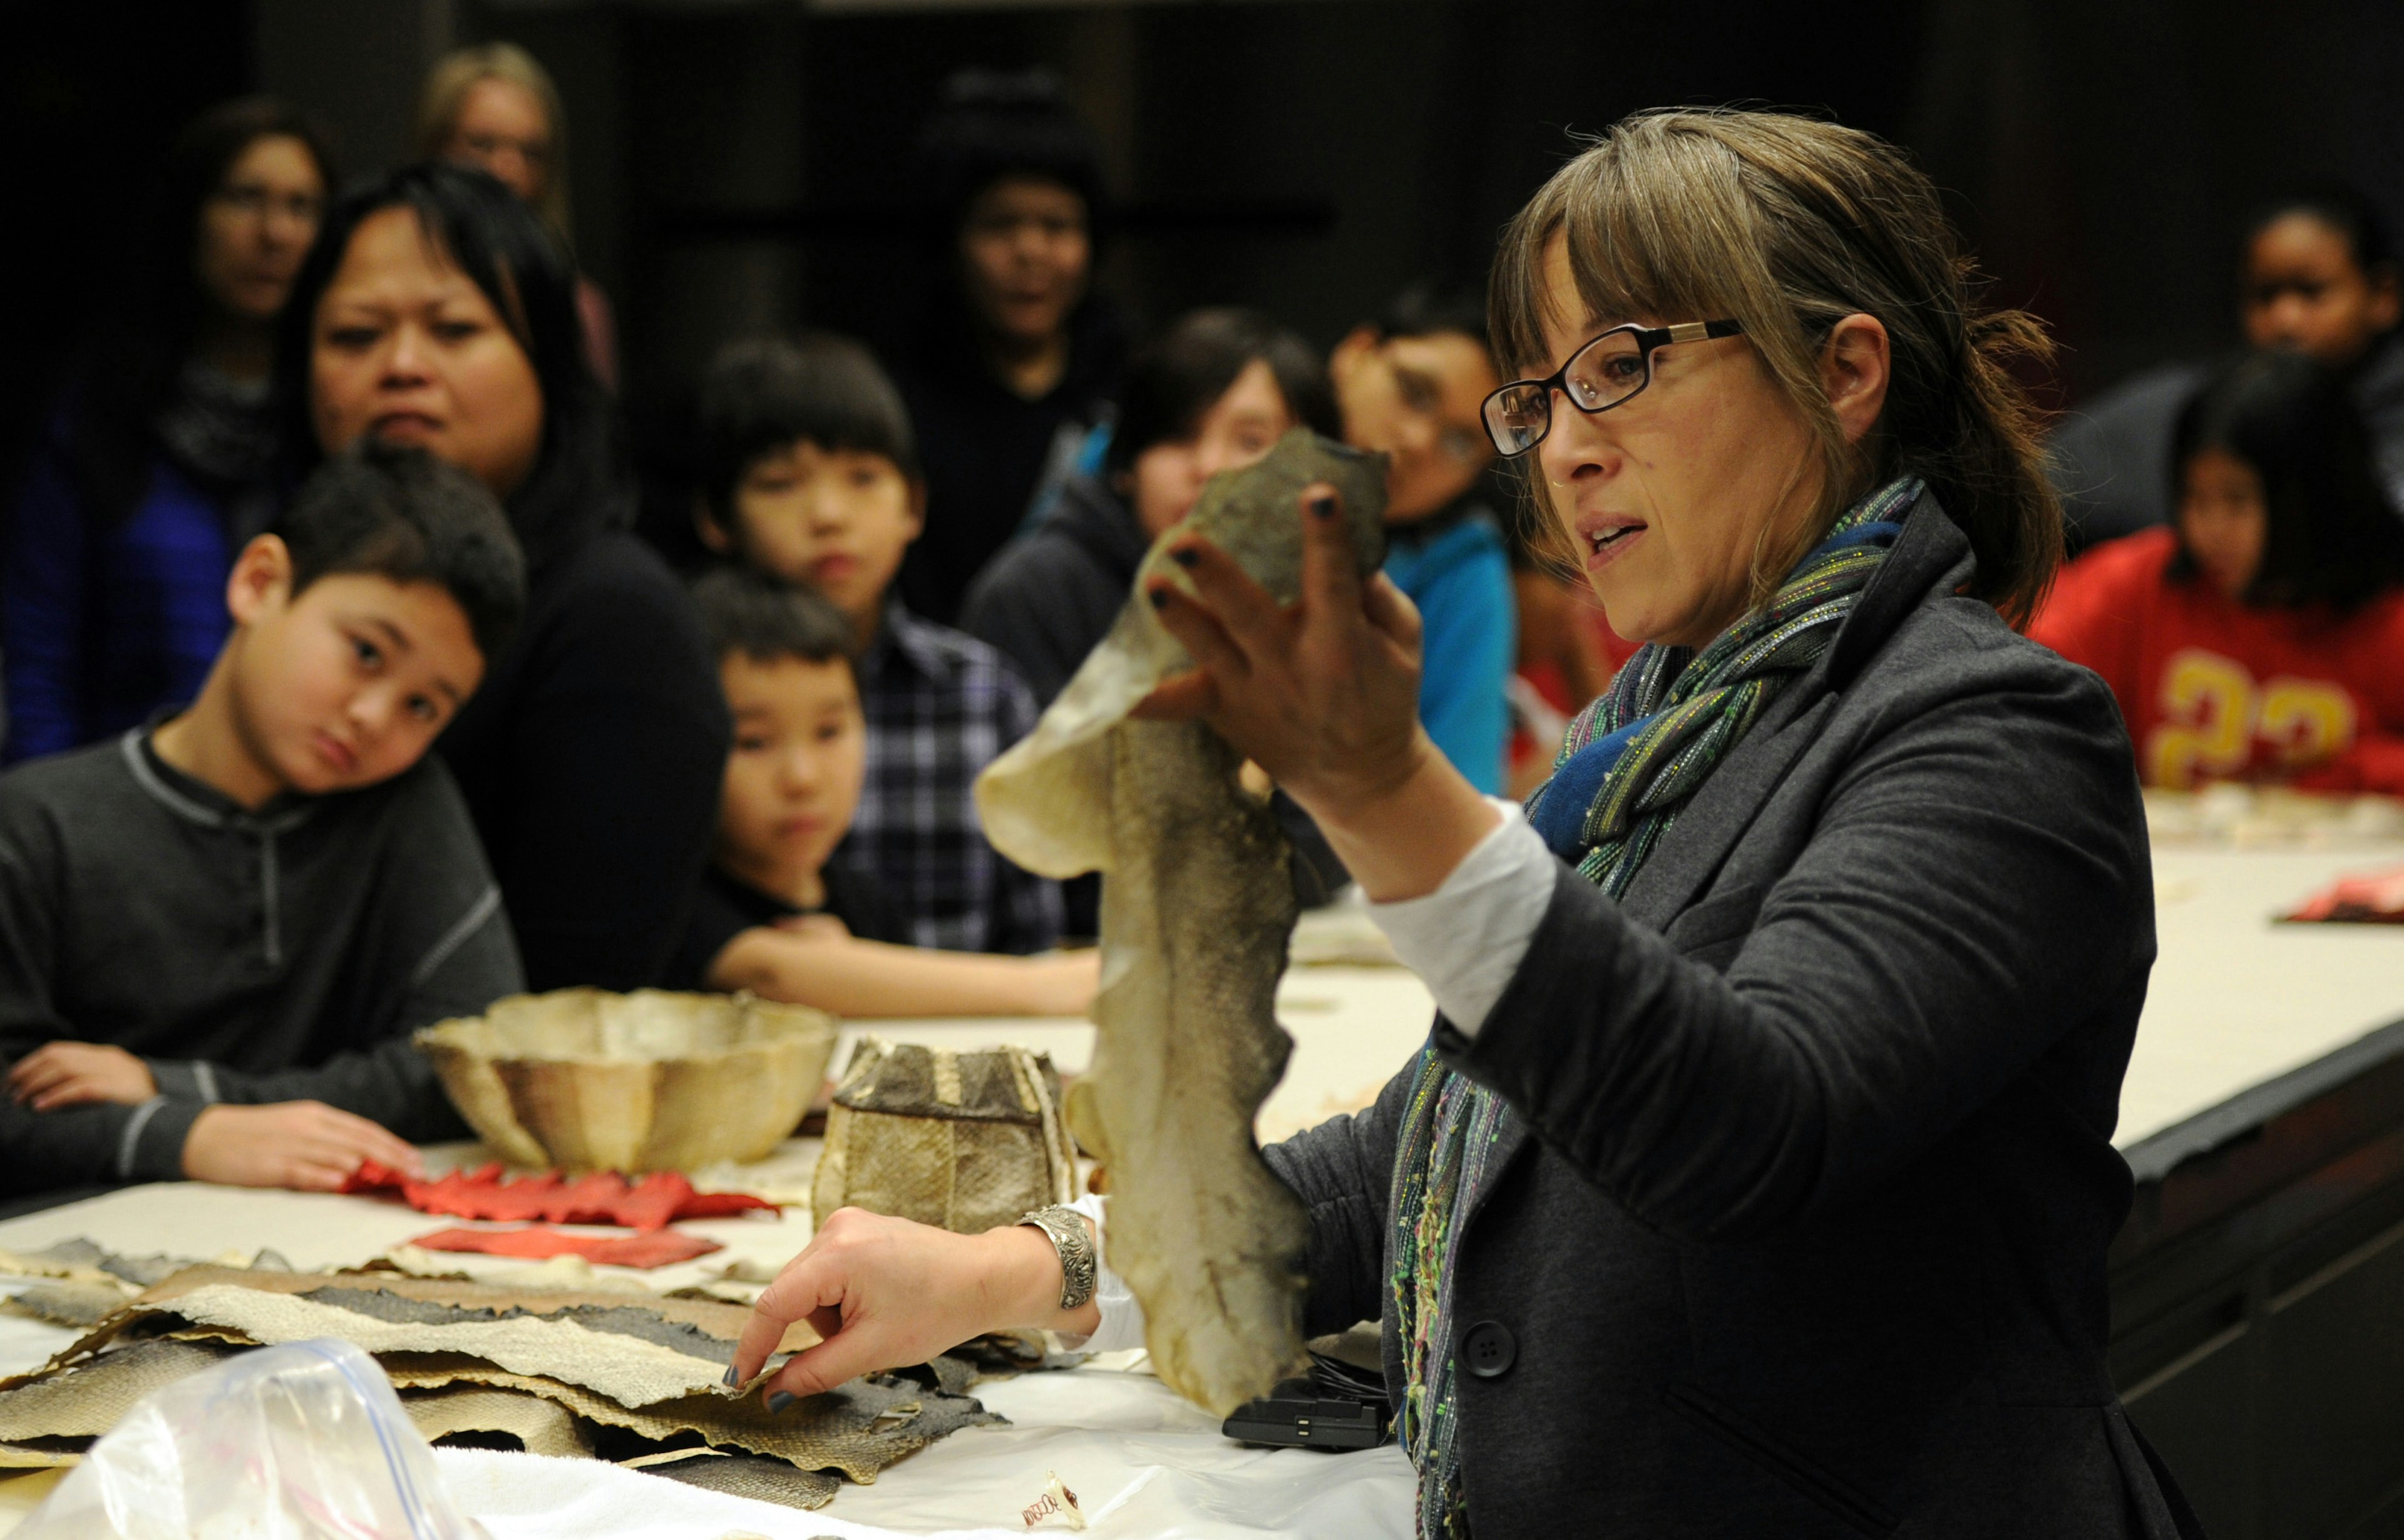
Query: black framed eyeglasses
{"type": "Point", "coordinates": [1601, 374]}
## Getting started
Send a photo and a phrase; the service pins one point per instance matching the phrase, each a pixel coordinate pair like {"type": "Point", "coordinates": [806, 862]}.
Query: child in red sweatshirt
{"type": "Point", "coordinates": [2259, 636]}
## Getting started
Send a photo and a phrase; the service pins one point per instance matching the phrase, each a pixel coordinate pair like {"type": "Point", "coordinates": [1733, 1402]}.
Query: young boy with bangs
{"type": "Point", "coordinates": [773, 915]}
{"type": "Point", "coordinates": [1411, 386]}
{"type": "Point", "coordinates": [217, 931]}
{"type": "Point", "coordinates": [809, 475]}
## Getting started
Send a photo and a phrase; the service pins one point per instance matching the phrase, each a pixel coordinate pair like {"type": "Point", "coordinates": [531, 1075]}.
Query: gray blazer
{"type": "Point", "coordinates": [1798, 1226]}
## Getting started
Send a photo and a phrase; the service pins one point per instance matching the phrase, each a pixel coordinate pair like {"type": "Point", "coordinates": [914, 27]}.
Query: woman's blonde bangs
{"type": "Point", "coordinates": [1657, 230]}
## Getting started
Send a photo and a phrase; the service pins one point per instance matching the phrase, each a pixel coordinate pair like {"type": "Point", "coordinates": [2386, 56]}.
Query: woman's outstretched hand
{"type": "Point", "coordinates": [1323, 695]}
{"type": "Point", "coordinates": [885, 1293]}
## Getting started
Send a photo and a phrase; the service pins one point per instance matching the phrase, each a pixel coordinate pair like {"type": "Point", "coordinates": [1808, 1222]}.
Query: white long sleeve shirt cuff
{"type": "Point", "coordinates": [1465, 939]}
{"type": "Point", "coordinates": [1121, 1324]}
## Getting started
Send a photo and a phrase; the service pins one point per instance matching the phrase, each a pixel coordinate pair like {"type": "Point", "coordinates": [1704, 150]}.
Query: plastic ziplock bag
{"type": "Point", "coordinates": [303, 1442]}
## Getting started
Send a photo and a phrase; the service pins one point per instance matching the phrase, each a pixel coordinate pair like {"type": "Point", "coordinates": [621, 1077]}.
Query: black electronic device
{"type": "Point", "coordinates": [1307, 1414]}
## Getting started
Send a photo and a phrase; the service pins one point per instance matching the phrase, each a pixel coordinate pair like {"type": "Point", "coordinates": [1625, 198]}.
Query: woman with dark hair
{"type": "Point", "coordinates": [158, 466]}
{"type": "Point", "coordinates": [1214, 392]}
{"type": "Point", "coordinates": [1757, 1176]}
{"type": "Point", "coordinates": [1016, 358]}
{"type": "Point", "coordinates": [2260, 637]}
{"type": "Point", "coordinates": [2318, 275]}
{"type": "Point", "coordinates": [436, 310]}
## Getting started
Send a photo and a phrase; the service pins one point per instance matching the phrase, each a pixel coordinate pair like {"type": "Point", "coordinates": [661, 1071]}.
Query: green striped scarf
{"type": "Point", "coordinates": [1629, 764]}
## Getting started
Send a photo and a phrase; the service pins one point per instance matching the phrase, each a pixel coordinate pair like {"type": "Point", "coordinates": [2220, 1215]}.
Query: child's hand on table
{"type": "Point", "coordinates": [304, 1145]}
{"type": "Point", "coordinates": [64, 1074]}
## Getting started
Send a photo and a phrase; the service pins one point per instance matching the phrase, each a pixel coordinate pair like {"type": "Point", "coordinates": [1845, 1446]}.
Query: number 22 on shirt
{"type": "Point", "coordinates": [2215, 717]}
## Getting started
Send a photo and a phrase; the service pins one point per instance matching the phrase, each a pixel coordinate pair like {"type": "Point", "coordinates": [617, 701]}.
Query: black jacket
{"type": "Point", "coordinates": [248, 957]}
{"type": "Point", "coordinates": [1048, 597]}
{"type": "Point", "coordinates": [1798, 1225]}
{"type": "Point", "coordinates": [592, 760]}
{"type": "Point", "coordinates": [986, 451]}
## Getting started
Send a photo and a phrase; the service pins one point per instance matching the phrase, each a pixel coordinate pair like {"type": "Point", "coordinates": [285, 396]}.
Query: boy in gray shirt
{"type": "Point", "coordinates": [218, 933]}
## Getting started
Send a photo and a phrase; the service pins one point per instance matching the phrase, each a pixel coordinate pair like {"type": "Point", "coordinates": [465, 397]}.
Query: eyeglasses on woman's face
{"type": "Point", "coordinates": [1601, 374]}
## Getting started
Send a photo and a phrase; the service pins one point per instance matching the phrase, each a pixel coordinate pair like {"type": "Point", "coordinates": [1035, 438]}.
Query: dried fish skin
{"type": "Point", "coordinates": [558, 1405]}
{"type": "Point", "coordinates": [1040, 802]}
{"type": "Point", "coordinates": [756, 1476]}
{"type": "Point", "coordinates": [1194, 919]}
{"type": "Point", "coordinates": [1196, 911]}
{"type": "Point", "coordinates": [540, 1426]}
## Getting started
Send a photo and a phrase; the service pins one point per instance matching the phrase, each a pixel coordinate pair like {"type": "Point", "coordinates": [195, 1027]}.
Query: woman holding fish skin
{"type": "Point", "coordinates": [1757, 1178]}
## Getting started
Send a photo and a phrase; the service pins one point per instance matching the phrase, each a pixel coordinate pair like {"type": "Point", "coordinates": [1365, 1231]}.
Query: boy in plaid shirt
{"type": "Point", "coordinates": [809, 474]}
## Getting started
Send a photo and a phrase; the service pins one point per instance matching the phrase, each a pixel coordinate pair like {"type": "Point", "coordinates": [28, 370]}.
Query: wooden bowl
{"type": "Point", "coordinates": [589, 1081]}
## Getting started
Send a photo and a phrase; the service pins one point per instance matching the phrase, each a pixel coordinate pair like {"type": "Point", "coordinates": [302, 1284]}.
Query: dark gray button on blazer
{"type": "Point", "coordinates": [1799, 1226]}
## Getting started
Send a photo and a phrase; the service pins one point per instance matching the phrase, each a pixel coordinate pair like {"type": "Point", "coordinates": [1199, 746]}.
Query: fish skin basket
{"type": "Point", "coordinates": [962, 1141]}
{"type": "Point", "coordinates": [585, 1080]}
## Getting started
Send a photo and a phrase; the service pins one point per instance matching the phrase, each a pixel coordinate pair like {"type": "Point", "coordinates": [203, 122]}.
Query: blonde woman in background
{"type": "Point", "coordinates": [494, 106]}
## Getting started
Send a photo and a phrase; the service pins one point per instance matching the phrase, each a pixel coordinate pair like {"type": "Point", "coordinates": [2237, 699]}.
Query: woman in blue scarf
{"type": "Point", "coordinates": [1757, 1175]}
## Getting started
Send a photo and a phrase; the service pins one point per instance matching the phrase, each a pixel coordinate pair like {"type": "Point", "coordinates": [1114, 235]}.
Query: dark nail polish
{"type": "Point", "coordinates": [1323, 505]}
{"type": "Point", "coordinates": [1185, 555]}
{"type": "Point", "coordinates": [782, 1399]}
{"type": "Point", "coordinates": [732, 1379]}
{"type": "Point", "coordinates": [1159, 597]}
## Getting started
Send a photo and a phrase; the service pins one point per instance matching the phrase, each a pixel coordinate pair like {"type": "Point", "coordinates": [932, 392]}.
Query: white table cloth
{"type": "Point", "coordinates": [2235, 1000]}
{"type": "Point", "coordinates": [1120, 1439]}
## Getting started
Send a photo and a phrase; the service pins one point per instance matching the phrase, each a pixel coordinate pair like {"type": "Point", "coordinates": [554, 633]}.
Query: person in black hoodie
{"type": "Point", "coordinates": [1015, 359]}
{"type": "Point", "coordinates": [436, 310]}
{"type": "Point", "coordinates": [1214, 392]}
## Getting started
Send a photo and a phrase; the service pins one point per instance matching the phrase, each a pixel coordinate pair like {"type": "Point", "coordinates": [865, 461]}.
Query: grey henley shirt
{"type": "Point", "coordinates": [277, 954]}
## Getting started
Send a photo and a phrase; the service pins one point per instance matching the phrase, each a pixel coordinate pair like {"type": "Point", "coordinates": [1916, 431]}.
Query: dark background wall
{"type": "Point", "coordinates": [738, 166]}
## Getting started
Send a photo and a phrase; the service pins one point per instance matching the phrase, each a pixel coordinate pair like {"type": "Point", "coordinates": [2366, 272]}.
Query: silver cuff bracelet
{"type": "Point", "coordinates": [1070, 1237]}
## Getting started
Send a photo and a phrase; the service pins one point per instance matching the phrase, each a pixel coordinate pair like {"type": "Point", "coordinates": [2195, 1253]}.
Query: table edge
{"type": "Point", "coordinates": [2161, 1151]}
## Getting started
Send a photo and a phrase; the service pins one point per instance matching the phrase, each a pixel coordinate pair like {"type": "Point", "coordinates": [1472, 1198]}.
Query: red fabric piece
{"type": "Point", "coordinates": [2213, 690]}
{"type": "Point", "coordinates": [719, 1204]}
{"type": "Point", "coordinates": [656, 1199]}
{"type": "Point", "coordinates": [487, 1197]}
{"type": "Point", "coordinates": [651, 1249]}
{"type": "Point", "coordinates": [604, 1198]}
{"type": "Point", "coordinates": [2376, 898]}
{"type": "Point", "coordinates": [598, 1194]}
